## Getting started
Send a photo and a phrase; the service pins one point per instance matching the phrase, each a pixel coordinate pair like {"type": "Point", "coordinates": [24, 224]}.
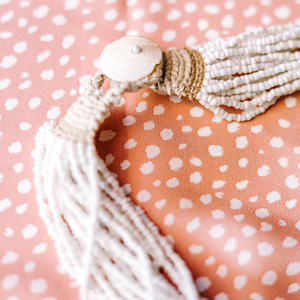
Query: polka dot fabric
{"type": "Point", "coordinates": [226, 194]}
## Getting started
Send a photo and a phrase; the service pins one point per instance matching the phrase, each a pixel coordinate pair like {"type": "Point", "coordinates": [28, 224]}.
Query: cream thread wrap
{"type": "Point", "coordinates": [105, 242]}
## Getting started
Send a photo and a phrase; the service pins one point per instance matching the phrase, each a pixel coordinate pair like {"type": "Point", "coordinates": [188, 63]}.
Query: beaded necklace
{"type": "Point", "coordinates": [105, 242]}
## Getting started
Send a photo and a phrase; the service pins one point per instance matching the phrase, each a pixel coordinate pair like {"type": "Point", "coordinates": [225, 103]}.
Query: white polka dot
{"type": "Point", "coordinates": [59, 20]}
{"type": "Point", "coordinates": [290, 102]}
{"type": "Point", "coordinates": [12, 298]}
{"type": "Point", "coordinates": [121, 25]}
{"type": "Point", "coordinates": [256, 296]}
{"type": "Point", "coordinates": [71, 4]}
{"type": "Point", "coordinates": [205, 199]}
{"type": "Point", "coordinates": [155, 6]}
{"type": "Point", "coordinates": [293, 269]}
{"type": "Point", "coordinates": [202, 24]}
{"type": "Point", "coordinates": [173, 182]}
{"type": "Point", "coordinates": [40, 248]}
{"type": "Point", "coordinates": [152, 151]}
{"type": "Point", "coordinates": [195, 178]}
{"type": "Point", "coordinates": [195, 161]}
{"type": "Point", "coordinates": [24, 186]}
{"type": "Point", "coordinates": [241, 185]}
{"type": "Point", "coordinates": [147, 168]}
{"type": "Point", "coordinates": [230, 245]}
{"type": "Point", "coordinates": [150, 27]}
{"type": "Point", "coordinates": [273, 196]}
{"type": "Point", "coordinates": [244, 257]}
{"type": "Point", "coordinates": [42, 56]}
{"type": "Point", "coordinates": [276, 142]}
{"type": "Point", "coordinates": [204, 131]}
{"type": "Point", "coordinates": [169, 219]}
{"type": "Point", "coordinates": [169, 35]}
{"type": "Point", "coordinates": [282, 12]}
{"type": "Point", "coordinates": [227, 21]}
{"type": "Point", "coordinates": [160, 203]}
{"type": "Point", "coordinates": [241, 142]}
{"type": "Point", "coordinates": [10, 281]}
{"type": "Point", "coordinates": [131, 3]}
{"type": "Point", "coordinates": [29, 266]}
{"type": "Point", "coordinates": [265, 249]}
{"type": "Point", "coordinates": [175, 163]}
{"type": "Point", "coordinates": [64, 60]}
{"type": "Point", "coordinates": [137, 14]}
{"type": "Point", "coordinates": [296, 150]}
{"type": "Point", "coordinates": [70, 73]}
{"type": "Point", "coordinates": [265, 226]}
{"type": "Point", "coordinates": [21, 208]}
{"type": "Point", "coordinates": [10, 104]}
{"type": "Point", "coordinates": [25, 85]}
{"type": "Point", "coordinates": [292, 181]}
{"type": "Point", "coordinates": [202, 283]}
{"type": "Point", "coordinates": [47, 74]}
{"type": "Point", "coordinates": [233, 127]}
{"type": "Point", "coordinates": [8, 231]}
{"type": "Point", "coordinates": [141, 106]}
{"type": "Point", "coordinates": [248, 231]}
{"type": "Point", "coordinates": [29, 231]}
{"type": "Point", "coordinates": [158, 110]}
{"type": "Point", "coordinates": [143, 196]}
{"type": "Point", "coordinates": [239, 281]}
{"type": "Point", "coordinates": [185, 203]}
{"type": "Point", "coordinates": [235, 204]}
{"type": "Point", "coordinates": [297, 225]}
{"type": "Point", "coordinates": [25, 126]}
{"type": "Point", "coordinates": [106, 135]}
{"type": "Point", "coordinates": [215, 150]}
{"type": "Point", "coordinates": [294, 287]}
{"type": "Point", "coordinates": [217, 214]}
{"type": "Point", "coordinates": [238, 217]}
{"type": "Point", "coordinates": [243, 162]}
{"type": "Point", "coordinates": [217, 231]}
{"type": "Point", "coordinates": [157, 183]}
{"type": "Point", "coordinates": [283, 161]}
{"type": "Point", "coordinates": [110, 15]}
{"type": "Point", "coordinates": [217, 184]}
{"type": "Point", "coordinates": [289, 242]}
{"type": "Point", "coordinates": [196, 112]}
{"type": "Point", "coordinates": [20, 47]}
{"type": "Point", "coordinates": [211, 9]}
{"type": "Point", "coordinates": [68, 41]}
{"type": "Point", "coordinates": [47, 38]}
{"type": "Point", "coordinates": [190, 7]}
{"type": "Point", "coordinates": [192, 225]}
{"type": "Point", "coordinates": [88, 25]}
{"type": "Point", "coordinates": [213, 34]}
{"type": "Point", "coordinates": [8, 61]}
{"type": "Point", "coordinates": [131, 143]}
{"type": "Point", "coordinates": [22, 22]}
{"type": "Point", "coordinates": [222, 270]}
{"type": "Point", "coordinates": [262, 213]}
{"type": "Point", "coordinates": [210, 260]}
{"type": "Point", "coordinates": [9, 258]}
{"type": "Point", "coordinates": [125, 164]}
{"type": "Point", "coordinates": [166, 134]}
{"type": "Point", "coordinates": [269, 277]}
{"type": "Point", "coordinates": [41, 11]}
{"type": "Point", "coordinates": [182, 146]}
{"type": "Point", "coordinates": [250, 11]}
{"type": "Point", "coordinates": [5, 35]}
{"type": "Point", "coordinates": [15, 148]}
{"type": "Point", "coordinates": [174, 14]}
{"type": "Point", "coordinates": [129, 120]}
{"type": "Point", "coordinates": [190, 41]}
{"type": "Point", "coordinates": [38, 286]}
{"type": "Point", "coordinates": [256, 128]}
{"type": "Point", "coordinates": [266, 20]}
{"type": "Point", "coordinates": [4, 83]}
{"type": "Point", "coordinates": [196, 249]}
{"type": "Point", "coordinates": [33, 29]}
{"type": "Point", "coordinates": [186, 128]}
{"type": "Point", "coordinates": [284, 123]}
{"type": "Point", "coordinates": [263, 171]}
{"type": "Point", "coordinates": [148, 125]}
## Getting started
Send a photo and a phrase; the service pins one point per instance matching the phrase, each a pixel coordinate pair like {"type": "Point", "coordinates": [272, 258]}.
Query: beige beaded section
{"type": "Point", "coordinates": [184, 72]}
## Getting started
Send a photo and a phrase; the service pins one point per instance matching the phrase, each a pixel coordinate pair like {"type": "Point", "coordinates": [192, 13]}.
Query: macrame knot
{"type": "Point", "coordinates": [183, 73]}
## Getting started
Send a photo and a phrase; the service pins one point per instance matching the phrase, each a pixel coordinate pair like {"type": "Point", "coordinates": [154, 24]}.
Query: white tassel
{"type": "Point", "coordinates": [250, 71]}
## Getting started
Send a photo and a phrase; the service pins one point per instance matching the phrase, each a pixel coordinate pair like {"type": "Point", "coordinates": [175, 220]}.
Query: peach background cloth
{"type": "Point", "coordinates": [227, 194]}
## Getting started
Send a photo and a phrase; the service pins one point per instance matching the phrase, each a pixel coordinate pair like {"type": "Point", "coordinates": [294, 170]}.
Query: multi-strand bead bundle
{"type": "Point", "coordinates": [251, 71]}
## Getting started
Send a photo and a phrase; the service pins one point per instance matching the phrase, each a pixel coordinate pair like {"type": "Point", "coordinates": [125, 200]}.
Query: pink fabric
{"type": "Point", "coordinates": [47, 48]}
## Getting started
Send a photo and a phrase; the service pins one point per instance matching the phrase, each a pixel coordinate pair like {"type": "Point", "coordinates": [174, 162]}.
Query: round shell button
{"type": "Point", "coordinates": [130, 58]}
